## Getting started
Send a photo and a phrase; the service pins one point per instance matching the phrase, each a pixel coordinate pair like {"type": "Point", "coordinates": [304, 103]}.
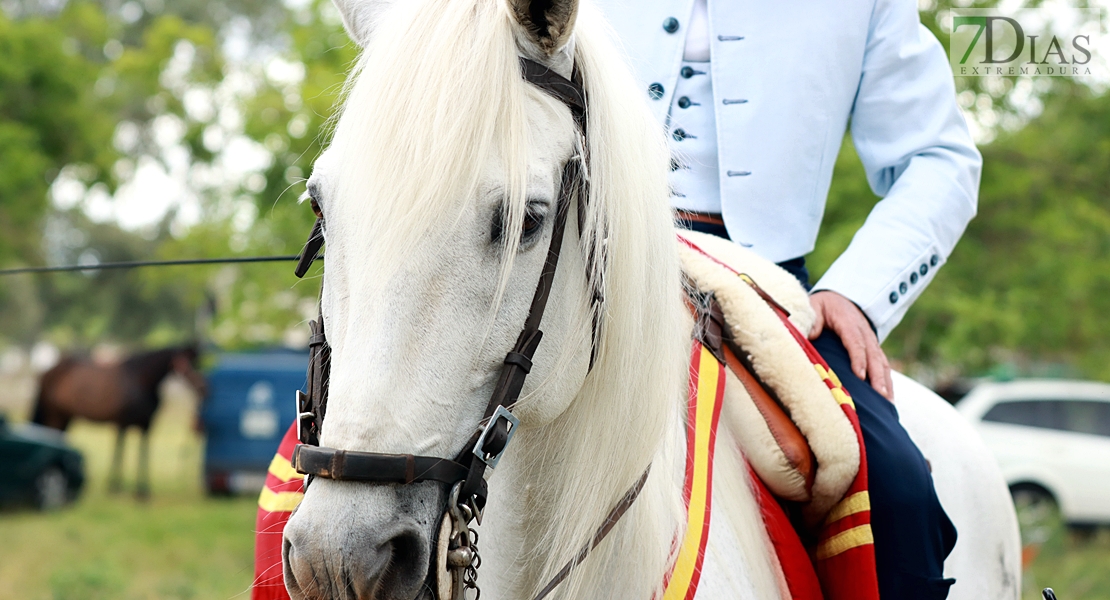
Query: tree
{"type": "Point", "coordinates": [66, 86]}
{"type": "Point", "coordinates": [50, 117]}
{"type": "Point", "coordinates": [1029, 283]}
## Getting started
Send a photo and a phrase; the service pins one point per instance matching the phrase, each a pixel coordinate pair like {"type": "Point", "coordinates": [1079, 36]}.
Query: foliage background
{"type": "Point", "coordinates": [91, 91]}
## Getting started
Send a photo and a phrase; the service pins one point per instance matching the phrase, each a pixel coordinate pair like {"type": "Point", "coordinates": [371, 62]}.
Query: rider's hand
{"type": "Point", "coordinates": [846, 320]}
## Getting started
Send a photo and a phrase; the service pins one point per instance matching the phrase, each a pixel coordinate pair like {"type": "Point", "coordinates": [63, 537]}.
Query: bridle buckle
{"type": "Point", "coordinates": [306, 419]}
{"type": "Point", "coordinates": [496, 436]}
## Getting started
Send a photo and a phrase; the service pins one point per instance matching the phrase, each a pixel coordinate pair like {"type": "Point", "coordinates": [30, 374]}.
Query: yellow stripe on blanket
{"type": "Point", "coordinates": [281, 468]}
{"type": "Point", "coordinates": [845, 541]}
{"type": "Point", "coordinates": [272, 501]}
{"type": "Point", "coordinates": [704, 411]}
{"type": "Point", "coordinates": [856, 503]}
{"type": "Point", "coordinates": [837, 388]}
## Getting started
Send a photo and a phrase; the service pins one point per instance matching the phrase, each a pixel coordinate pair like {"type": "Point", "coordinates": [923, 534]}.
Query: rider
{"type": "Point", "coordinates": [756, 98]}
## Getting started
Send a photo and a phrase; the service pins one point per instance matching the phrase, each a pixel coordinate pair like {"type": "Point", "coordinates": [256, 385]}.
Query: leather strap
{"type": "Point", "coordinates": [513, 373]}
{"type": "Point", "coordinates": [606, 526]}
{"type": "Point", "coordinates": [571, 93]}
{"type": "Point", "coordinates": [312, 407]}
{"type": "Point", "coordinates": [568, 92]}
{"type": "Point", "coordinates": [692, 216]}
{"type": "Point", "coordinates": [346, 465]}
{"type": "Point", "coordinates": [311, 248]}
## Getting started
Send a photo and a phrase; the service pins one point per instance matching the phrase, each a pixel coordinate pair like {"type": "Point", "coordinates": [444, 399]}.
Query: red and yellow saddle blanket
{"type": "Point", "coordinates": [842, 564]}
{"type": "Point", "coordinates": [788, 393]}
{"type": "Point", "coordinates": [282, 493]}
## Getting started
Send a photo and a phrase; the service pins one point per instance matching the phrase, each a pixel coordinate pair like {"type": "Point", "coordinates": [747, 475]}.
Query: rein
{"type": "Point", "coordinates": [466, 472]}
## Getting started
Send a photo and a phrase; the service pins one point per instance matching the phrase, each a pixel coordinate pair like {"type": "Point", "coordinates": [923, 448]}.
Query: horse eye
{"type": "Point", "coordinates": [532, 224]}
{"type": "Point", "coordinates": [316, 208]}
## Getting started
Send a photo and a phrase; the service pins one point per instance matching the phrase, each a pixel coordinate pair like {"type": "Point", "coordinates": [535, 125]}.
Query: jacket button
{"type": "Point", "coordinates": [924, 270]}
{"type": "Point", "coordinates": [913, 278]}
{"type": "Point", "coordinates": [687, 72]}
{"type": "Point", "coordinates": [684, 102]}
{"type": "Point", "coordinates": [670, 25]}
{"type": "Point", "coordinates": [902, 287]}
{"type": "Point", "coordinates": [655, 90]}
{"type": "Point", "coordinates": [679, 134]}
{"type": "Point", "coordinates": [934, 260]}
{"type": "Point", "coordinates": [893, 297]}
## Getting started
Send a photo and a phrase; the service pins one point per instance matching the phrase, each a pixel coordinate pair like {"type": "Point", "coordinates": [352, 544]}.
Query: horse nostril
{"type": "Point", "coordinates": [292, 567]}
{"type": "Point", "coordinates": [398, 567]}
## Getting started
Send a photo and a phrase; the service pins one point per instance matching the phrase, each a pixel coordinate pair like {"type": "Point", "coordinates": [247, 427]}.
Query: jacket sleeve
{"type": "Point", "coordinates": [919, 157]}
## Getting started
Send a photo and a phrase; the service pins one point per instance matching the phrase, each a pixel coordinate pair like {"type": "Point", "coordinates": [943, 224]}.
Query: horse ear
{"type": "Point", "coordinates": [547, 23]}
{"type": "Point", "coordinates": [360, 16]}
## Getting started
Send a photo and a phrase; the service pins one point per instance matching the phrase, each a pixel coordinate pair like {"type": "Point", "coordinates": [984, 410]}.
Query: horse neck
{"type": "Point", "coordinates": [534, 494]}
{"type": "Point", "coordinates": [151, 368]}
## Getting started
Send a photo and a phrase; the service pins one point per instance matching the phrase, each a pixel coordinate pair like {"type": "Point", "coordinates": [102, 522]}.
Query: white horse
{"type": "Point", "coordinates": [438, 191]}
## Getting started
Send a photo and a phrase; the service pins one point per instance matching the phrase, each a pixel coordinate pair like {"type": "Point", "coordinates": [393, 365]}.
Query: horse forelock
{"type": "Point", "coordinates": [432, 96]}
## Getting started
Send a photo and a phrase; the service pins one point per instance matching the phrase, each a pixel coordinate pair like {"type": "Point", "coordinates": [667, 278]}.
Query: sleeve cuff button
{"type": "Point", "coordinates": [903, 288]}
{"type": "Point", "coordinates": [934, 260]}
{"type": "Point", "coordinates": [893, 297]}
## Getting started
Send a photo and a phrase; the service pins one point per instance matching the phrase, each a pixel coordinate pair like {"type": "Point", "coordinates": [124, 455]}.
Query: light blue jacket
{"type": "Point", "coordinates": [806, 69]}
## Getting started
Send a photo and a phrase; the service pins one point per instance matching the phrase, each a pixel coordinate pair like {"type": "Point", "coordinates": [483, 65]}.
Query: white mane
{"type": "Point", "coordinates": [627, 406]}
{"type": "Point", "coordinates": [462, 92]}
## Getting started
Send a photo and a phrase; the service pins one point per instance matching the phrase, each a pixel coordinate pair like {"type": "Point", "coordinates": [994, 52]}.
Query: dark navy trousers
{"type": "Point", "coordinates": [913, 534]}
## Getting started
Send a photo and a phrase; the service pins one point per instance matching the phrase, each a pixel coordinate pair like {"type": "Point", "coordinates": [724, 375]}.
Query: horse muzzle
{"type": "Point", "coordinates": [357, 542]}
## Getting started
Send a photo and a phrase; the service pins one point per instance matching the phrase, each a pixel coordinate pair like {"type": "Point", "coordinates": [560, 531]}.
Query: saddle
{"type": "Point", "coordinates": [794, 422]}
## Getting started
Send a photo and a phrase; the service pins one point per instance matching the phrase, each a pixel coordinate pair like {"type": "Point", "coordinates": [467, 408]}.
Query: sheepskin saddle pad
{"type": "Point", "coordinates": [789, 424]}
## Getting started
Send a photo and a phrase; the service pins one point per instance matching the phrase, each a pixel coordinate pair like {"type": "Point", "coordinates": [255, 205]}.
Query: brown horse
{"type": "Point", "coordinates": [126, 394]}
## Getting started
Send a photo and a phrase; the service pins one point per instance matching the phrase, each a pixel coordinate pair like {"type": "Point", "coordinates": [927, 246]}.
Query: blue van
{"type": "Point", "coordinates": [250, 405]}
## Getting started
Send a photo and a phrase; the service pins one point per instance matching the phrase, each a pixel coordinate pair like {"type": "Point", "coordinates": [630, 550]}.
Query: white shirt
{"type": "Point", "coordinates": [697, 40]}
{"type": "Point", "coordinates": [785, 80]}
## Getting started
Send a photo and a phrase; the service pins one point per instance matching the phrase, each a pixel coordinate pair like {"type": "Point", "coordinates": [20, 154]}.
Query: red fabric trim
{"type": "Point", "coordinates": [269, 580]}
{"type": "Point", "coordinates": [801, 578]}
{"type": "Point", "coordinates": [691, 420]}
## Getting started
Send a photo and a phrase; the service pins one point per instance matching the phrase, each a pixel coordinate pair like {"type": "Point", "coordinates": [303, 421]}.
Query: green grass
{"type": "Point", "coordinates": [183, 545]}
{"type": "Point", "coordinates": [178, 545]}
{"type": "Point", "coordinates": [1076, 565]}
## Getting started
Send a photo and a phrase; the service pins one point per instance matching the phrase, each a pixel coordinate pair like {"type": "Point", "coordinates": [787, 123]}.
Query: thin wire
{"type": "Point", "coordinates": [154, 263]}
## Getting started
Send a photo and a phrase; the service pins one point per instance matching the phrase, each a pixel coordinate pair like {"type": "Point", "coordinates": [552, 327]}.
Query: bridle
{"type": "Point", "coordinates": [467, 471]}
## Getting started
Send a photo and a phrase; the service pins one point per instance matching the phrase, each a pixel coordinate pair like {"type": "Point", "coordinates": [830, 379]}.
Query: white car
{"type": "Point", "coordinates": [1052, 441]}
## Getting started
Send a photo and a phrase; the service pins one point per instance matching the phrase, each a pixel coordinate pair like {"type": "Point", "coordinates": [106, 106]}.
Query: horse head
{"type": "Point", "coordinates": [439, 197]}
{"type": "Point", "coordinates": [184, 362]}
